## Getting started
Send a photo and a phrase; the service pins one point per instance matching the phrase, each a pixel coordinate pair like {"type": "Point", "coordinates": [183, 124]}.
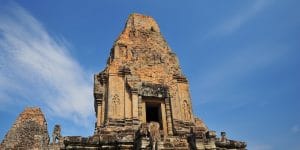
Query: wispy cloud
{"type": "Point", "coordinates": [36, 69]}
{"type": "Point", "coordinates": [226, 80]}
{"type": "Point", "coordinates": [261, 147]}
{"type": "Point", "coordinates": [295, 129]}
{"type": "Point", "coordinates": [233, 23]}
{"type": "Point", "coordinates": [237, 65]}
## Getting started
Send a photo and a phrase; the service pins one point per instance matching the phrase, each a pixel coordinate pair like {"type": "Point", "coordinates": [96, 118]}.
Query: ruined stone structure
{"type": "Point", "coordinates": [142, 99]}
{"type": "Point", "coordinates": [28, 132]}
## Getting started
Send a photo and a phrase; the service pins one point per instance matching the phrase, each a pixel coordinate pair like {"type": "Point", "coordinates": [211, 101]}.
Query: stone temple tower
{"type": "Point", "coordinates": [142, 98]}
{"type": "Point", "coordinates": [142, 82]}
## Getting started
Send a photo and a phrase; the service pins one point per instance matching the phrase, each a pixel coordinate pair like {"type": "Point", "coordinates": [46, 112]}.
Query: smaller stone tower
{"type": "Point", "coordinates": [28, 132]}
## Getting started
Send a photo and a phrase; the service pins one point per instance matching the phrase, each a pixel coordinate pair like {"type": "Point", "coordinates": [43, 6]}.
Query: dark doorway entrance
{"type": "Point", "coordinates": [153, 113]}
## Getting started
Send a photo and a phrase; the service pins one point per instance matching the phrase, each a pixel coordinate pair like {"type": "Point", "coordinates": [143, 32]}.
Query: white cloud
{"type": "Point", "coordinates": [243, 62]}
{"type": "Point", "coordinates": [261, 147]}
{"type": "Point", "coordinates": [295, 129]}
{"type": "Point", "coordinates": [222, 81]}
{"type": "Point", "coordinates": [36, 69]}
{"type": "Point", "coordinates": [233, 23]}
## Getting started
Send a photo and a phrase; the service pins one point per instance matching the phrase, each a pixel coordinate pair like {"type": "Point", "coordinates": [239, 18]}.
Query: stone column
{"type": "Point", "coordinates": [99, 112]}
{"type": "Point", "coordinates": [140, 108]}
{"type": "Point", "coordinates": [127, 106]}
{"type": "Point", "coordinates": [169, 116]}
{"type": "Point", "coordinates": [104, 101]}
{"type": "Point", "coordinates": [103, 112]}
{"type": "Point", "coordinates": [164, 119]}
{"type": "Point", "coordinates": [135, 113]}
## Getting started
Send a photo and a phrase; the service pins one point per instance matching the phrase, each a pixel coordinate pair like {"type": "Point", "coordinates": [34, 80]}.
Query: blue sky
{"type": "Point", "coordinates": [241, 59]}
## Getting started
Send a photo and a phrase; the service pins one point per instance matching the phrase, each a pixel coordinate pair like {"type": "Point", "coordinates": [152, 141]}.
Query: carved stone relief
{"type": "Point", "coordinates": [115, 105]}
{"type": "Point", "coordinates": [186, 110]}
{"type": "Point", "coordinates": [155, 90]}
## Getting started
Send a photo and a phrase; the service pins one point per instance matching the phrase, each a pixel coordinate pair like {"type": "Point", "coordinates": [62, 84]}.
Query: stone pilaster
{"type": "Point", "coordinates": [135, 106]}
{"type": "Point", "coordinates": [169, 116]}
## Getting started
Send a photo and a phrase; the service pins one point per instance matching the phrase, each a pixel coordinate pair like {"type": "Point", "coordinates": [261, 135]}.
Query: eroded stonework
{"type": "Point", "coordinates": [28, 132]}
{"type": "Point", "coordinates": [142, 99]}
{"type": "Point", "coordinates": [142, 70]}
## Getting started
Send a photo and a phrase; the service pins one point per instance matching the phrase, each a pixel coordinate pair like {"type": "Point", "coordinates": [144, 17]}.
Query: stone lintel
{"type": "Point", "coordinates": [153, 90]}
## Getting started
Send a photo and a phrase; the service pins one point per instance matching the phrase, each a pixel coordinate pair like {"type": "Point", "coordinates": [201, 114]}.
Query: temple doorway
{"type": "Point", "coordinates": [153, 113]}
